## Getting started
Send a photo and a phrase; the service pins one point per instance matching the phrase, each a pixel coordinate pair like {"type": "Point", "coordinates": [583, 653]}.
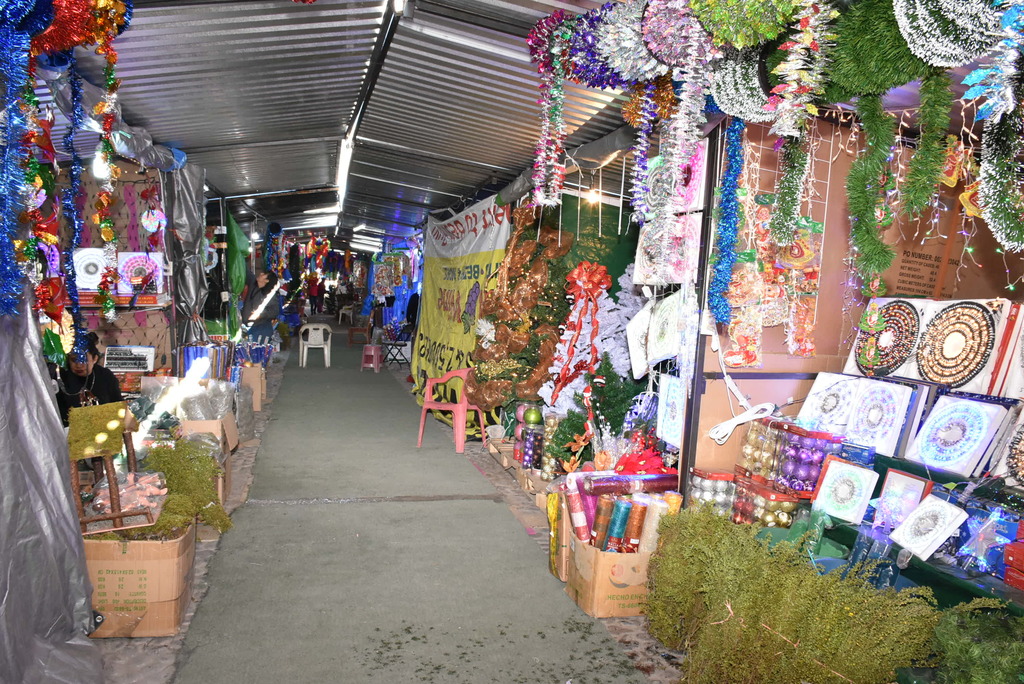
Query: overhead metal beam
{"type": "Point", "coordinates": [262, 143]}
{"type": "Point", "coordinates": [410, 151]}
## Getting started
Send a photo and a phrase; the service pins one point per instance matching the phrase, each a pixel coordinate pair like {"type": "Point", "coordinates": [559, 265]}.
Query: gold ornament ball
{"type": "Point", "coordinates": [788, 506]}
{"type": "Point", "coordinates": [770, 519]}
{"type": "Point", "coordinates": [773, 505]}
{"type": "Point", "coordinates": [784, 519]}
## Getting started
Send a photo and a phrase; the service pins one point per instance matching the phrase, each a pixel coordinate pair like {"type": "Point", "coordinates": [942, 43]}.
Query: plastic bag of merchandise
{"type": "Point", "coordinates": [245, 417]}
{"type": "Point", "coordinates": [140, 490]}
{"type": "Point", "coordinates": [222, 397]}
{"type": "Point", "coordinates": [207, 440]}
{"type": "Point", "coordinates": [196, 405]}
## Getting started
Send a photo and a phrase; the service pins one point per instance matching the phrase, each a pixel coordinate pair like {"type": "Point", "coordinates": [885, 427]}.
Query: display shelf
{"type": "Point", "coordinates": [951, 584]}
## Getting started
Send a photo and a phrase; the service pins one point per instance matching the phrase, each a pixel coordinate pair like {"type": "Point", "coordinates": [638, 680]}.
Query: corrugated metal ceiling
{"type": "Point", "coordinates": [260, 92]}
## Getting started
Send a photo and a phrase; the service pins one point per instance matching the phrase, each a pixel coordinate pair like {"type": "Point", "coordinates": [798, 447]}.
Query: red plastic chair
{"type": "Point", "coordinates": [459, 410]}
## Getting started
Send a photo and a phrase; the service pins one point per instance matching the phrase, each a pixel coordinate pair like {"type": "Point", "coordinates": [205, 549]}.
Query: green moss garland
{"type": "Point", "coordinates": [743, 23]}
{"type": "Point", "coordinates": [863, 194]}
{"type": "Point", "coordinates": [925, 168]}
{"type": "Point", "coordinates": [796, 164]}
{"type": "Point", "coordinates": [978, 642]}
{"type": "Point", "coordinates": [1000, 176]}
{"type": "Point", "coordinates": [870, 55]}
{"type": "Point", "coordinates": [747, 614]}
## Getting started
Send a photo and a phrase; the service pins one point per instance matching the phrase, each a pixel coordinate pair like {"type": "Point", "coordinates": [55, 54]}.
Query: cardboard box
{"type": "Point", "coordinates": [1014, 578]}
{"type": "Point", "coordinates": [143, 588]}
{"type": "Point", "coordinates": [223, 480]}
{"type": "Point", "coordinates": [225, 430]}
{"type": "Point", "coordinates": [1013, 555]}
{"type": "Point", "coordinates": [606, 584]}
{"type": "Point", "coordinates": [255, 378]}
{"type": "Point", "coordinates": [523, 478]}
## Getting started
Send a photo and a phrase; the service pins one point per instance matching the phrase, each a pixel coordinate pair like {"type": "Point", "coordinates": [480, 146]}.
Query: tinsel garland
{"type": "Point", "coordinates": [620, 43]}
{"type": "Point", "coordinates": [547, 43]}
{"type": "Point", "coordinates": [730, 216]}
{"type": "Point", "coordinates": [803, 70]}
{"type": "Point", "coordinates": [70, 27]}
{"type": "Point", "coordinates": [640, 151]}
{"type": "Point", "coordinates": [106, 27]}
{"type": "Point", "coordinates": [1000, 175]}
{"type": "Point", "coordinates": [864, 196]}
{"type": "Point", "coordinates": [71, 213]}
{"type": "Point", "coordinates": [947, 33]}
{"type": "Point", "coordinates": [673, 35]}
{"type": "Point", "coordinates": [743, 23]}
{"type": "Point", "coordinates": [665, 101]}
{"type": "Point", "coordinates": [586, 66]}
{"type": "Point", "coordinates": [796, 166]}
{"type": "Point", "coordinates": [14, 44]}
{"type": "Point", "coordinates": [736, 85]}
{"type": "Point", "coordinates": [870, 56]}
{"type": "Point", "coordinates": [926, 166]}
{"type": "Point", "coordinates": [996, 82]}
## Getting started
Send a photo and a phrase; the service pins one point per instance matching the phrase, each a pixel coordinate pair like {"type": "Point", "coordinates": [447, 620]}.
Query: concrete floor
{"type": "Point", "coordinates": [358, 558]}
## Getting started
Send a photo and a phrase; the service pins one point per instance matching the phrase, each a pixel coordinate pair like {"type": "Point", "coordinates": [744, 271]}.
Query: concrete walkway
{"type": "Point", "coordinates": [359, 558]}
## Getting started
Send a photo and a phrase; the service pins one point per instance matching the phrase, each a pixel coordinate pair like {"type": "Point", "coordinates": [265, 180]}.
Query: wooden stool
{"type": "Point", "coordinates": [372, 358]}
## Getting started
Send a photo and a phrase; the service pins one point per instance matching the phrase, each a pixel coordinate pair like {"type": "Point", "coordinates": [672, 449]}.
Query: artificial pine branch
{"type": "Point", "coordinates": [925, 168]}
{"type": "Point", "coordinates": [863, 191]}
{"type": "Point", "coordinates": [796, 164]}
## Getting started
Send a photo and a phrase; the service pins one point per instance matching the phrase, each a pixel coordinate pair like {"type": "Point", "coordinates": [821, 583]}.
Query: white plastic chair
{"type": "Point", "coordinates": [347, 310]}
{"type": "Point", "coordinates": [315, 336]}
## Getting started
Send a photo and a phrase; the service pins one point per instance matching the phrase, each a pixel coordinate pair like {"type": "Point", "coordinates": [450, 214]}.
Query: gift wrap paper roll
{"type": "Point", "coordinates": [589, 500]}
{"type": "Point", "coordinates": [617, 526]}
{"type": "Point", "coordinates": [576, 516]}
{"type": "Point", "coordinates": [634, 527]}
{"type": "Point", "coordinates": [649, 536]}
{"type": "Point", "coordinates": [602, 518]}
{"type": "Point", "coordinates": [674, 501]}
{"type": "Point", "coordinates": [629, 484]}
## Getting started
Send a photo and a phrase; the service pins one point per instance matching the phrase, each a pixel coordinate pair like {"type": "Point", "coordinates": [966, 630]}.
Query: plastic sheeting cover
{"type": "Point", "coordinates": [186, 218]}
{"type": "Point", "coordinates": [46, 611]}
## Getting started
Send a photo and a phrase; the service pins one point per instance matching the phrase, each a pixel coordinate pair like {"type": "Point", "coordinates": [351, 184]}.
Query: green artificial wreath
{"type": "Point", "coordinates": [925, 168]}
{"type": "Point", "coordinates": [743, 23]}
{"type": "Point", "coordinates": [870, 55]}
{"type": "Point", "coordinates": [796, 164]}
{"type": "Point", "coordinates": [864, 196]}
{"type": "Point", "coordinates": [1000, 176]}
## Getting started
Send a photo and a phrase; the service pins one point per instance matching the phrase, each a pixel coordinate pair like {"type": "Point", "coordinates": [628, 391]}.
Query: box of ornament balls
{"type": "Point", "coordinates": [1013, 555]}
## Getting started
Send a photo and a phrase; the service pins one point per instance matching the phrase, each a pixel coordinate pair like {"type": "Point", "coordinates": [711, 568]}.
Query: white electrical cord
{"type": "Point", "coordinates": [723, 431]}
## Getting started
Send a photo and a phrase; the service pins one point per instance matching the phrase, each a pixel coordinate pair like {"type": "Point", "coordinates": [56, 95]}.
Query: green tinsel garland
{"type": "Point", "coordinates": [870, 55]}
{"type": "Point", "coordinates": [862, 187]}
{"type": "Point", "coordinates": [1000, 176]}
{"type": "Point", "coordinates": [796, 164]}
{"type": "Point", "coordinates": [925, 168]}
{"type": "Point", "coordinates": [743, 23]}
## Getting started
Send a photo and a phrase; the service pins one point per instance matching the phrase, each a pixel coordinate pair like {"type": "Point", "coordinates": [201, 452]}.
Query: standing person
{"type": "Point", "coordinates": [261, 305]}
{"type": "Point", "coordinates": [313, 293]}
{"type": "Point", "coordinates": [83, 382]}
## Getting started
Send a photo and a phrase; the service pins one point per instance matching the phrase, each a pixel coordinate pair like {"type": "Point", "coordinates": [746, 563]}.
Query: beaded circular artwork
{"type": "Point", "coordinates": [1015, 459]}
{"type": "Point", "coordinates": [829, 409]}
{"type": "Point", "coordinates": [952, 435]}
{"type": "Point", "coordinates": [957, 344]}
{"type": "Point", "coordinates": [876, 415]}
{"type": "Point", "coordinates": [895, 342]}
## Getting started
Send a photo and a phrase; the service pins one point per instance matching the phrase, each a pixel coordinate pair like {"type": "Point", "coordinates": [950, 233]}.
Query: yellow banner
{"type": "Point", "coordinates": [459, 257]}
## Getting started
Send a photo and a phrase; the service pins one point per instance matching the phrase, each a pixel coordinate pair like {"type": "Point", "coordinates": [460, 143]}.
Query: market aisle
{"type": "Point", "coordinates": [359, 558]}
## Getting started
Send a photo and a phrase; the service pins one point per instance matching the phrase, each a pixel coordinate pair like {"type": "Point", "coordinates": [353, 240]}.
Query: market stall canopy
{"type": "Point", "coordinates": [261, 93]}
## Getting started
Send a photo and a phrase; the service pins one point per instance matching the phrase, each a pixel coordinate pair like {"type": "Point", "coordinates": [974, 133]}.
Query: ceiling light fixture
{"type": "Point", "coordinates": [398, 6]}
{"type": "Point", "coordinates": [344, 162]}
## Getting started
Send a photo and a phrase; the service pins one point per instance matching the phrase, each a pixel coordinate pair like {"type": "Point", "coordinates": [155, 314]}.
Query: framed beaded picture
{"type": "Point", "coordinates": [957, 343]}
{"type": "Point", "coordinates": [636, 336]}
{"type": "Point", "coordinates": [844, 490]}
{"type": "Point", "coordinates": [829, 404]}
{"type": "Point", "coordinates": [956, 434]}
{"type": "Point", "coordinates": [901, 494]}
{"type": "Point", "coordinates": [878, 414]}
{"type": "Point", "coordinates": [671, 409]}
{"type": "Point", "coordinates": [928, 526]}
{"type": "Point", "coordinates": [887, 339]}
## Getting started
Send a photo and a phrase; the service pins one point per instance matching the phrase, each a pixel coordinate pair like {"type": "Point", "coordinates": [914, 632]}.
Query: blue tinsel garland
{"type": "Point", "coordinates": [648, 113]}
{"type": "Point", "coordinates": [14, 47]}
{"type": "Point", "coordinates": [586, 65]}
{"type": "Point", "coordinates": [729, 219]}
{"type": "Point", "coordinates": [68, 201]}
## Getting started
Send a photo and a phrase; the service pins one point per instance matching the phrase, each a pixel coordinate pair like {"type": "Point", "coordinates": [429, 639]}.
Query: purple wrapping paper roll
{"type": "Point", "coordinates": [629, 484]}
{"type": "Point", "coordinates": [589, 500]}
{"type": "Point", "coordinates": [589, 508]}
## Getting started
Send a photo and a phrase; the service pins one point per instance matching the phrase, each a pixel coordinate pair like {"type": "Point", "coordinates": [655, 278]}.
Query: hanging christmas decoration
{"type": "Point", "coordinates": [995, 82]}
{"type": "Point", "coordinates": [803, 70]}
{"type": "Point", "coordinates": [796, 166]}
{"type": "Point", "coordinates": [926, 167]}
{"type": "Point", "coordinates": [729, 220]}
{"type": "Point", "coordinates": [736, 85]}
{"type": "Point", "coordinates": [1000, 177]}
{"type": "Point", "coordinates": [639, 174]}
{"type": "Point", "coordinates": [673, 35]}
{"type": "Point", "coordinates": [586, 65]}
{"type": "Point", "coordinates": [743, 23]}
{"type": "Point", "coordinates": [948, 33]}
{"type": "Point", "coordinates": [621, 44]}
{"type": "Point", "coordinates": [547, 42]}
{"type": "Point", "coordinates": [69, 203]}
{"type": "Point", "coordinates": [664, 101]}
{"type": "Point", "coordinates": [585, 283]}
{"type": "Point", "coordinates": [865, 188]}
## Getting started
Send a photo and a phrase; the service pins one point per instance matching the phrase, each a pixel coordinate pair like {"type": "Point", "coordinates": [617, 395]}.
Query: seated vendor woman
{"type": "Point", "coordinates": [85, 383]}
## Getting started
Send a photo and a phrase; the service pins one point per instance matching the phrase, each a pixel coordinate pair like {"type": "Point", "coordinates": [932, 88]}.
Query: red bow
{"type": "Point", "coordinates": [585, 282]}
